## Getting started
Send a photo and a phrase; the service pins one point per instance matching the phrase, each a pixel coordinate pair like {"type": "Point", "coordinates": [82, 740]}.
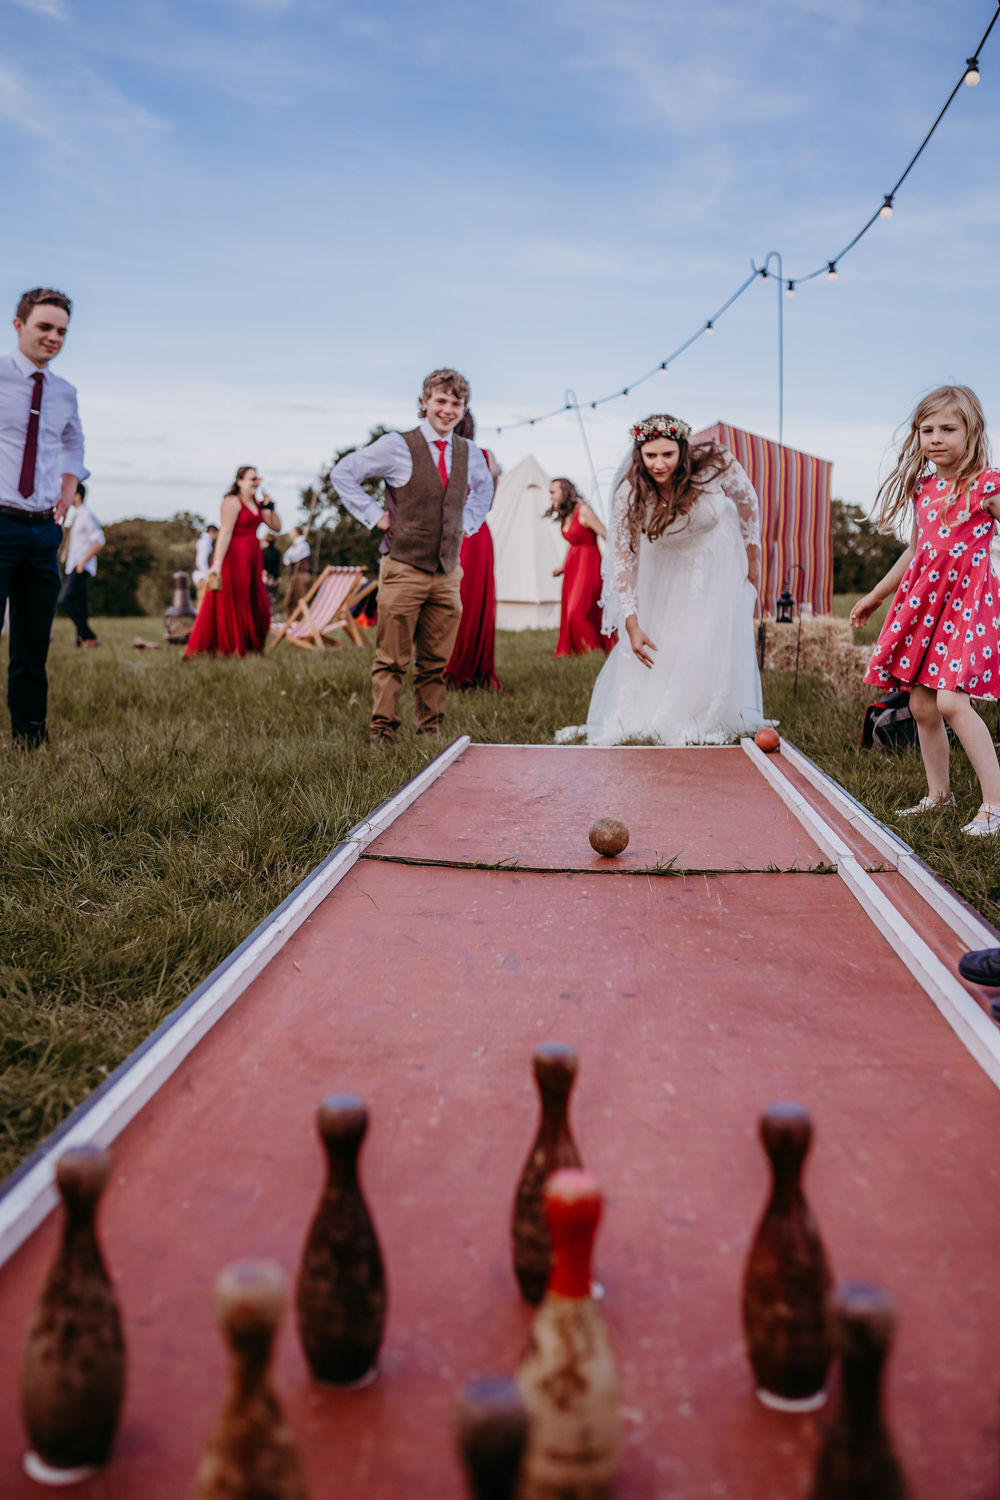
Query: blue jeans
{"type": "Point", "coordinates": [29, 579]}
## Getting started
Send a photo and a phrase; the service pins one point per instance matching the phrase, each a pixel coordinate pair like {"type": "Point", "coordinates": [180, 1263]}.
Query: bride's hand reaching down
{"type": "Point", "coordinates": [639, 641]}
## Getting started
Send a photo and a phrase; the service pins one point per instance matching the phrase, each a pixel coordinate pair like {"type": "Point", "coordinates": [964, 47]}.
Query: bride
{"type": "Point", "coordinates": [684, 560]}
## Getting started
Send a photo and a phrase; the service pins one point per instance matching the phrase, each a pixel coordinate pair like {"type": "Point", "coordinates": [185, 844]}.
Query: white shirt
{"type": "Point", "coordinates": [83, 533]}
{"type": "Point", "coordinates": [389, 458]}
{"type": "Point", "coordinates": [60, 436]}
{"type": "Point", "coordinates": [203, 556]}
{"type": "Point", "coordinates": [296, 552]}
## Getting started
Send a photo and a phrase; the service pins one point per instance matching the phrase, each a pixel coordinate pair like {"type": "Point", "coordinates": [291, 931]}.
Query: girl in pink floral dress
{"type": "Point", "coordinates": [941, 638]}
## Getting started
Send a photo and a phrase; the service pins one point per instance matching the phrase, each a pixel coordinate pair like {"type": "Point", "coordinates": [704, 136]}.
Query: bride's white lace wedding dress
{"type": "Point", "coordinates": [690, 591]}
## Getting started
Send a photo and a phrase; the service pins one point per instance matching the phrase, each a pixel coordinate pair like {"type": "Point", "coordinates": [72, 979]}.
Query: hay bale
{"type": "Point", "coordinates": [825, 645]}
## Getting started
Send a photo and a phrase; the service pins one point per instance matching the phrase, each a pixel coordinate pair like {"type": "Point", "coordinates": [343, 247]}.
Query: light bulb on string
{"type": "Point", "coordinates": [885, 212]}
{"type": "Point", "coordinates": [663, 365]}
{"type": "Point", "coordinates": [763, 273]}
{"type": "Point", "coordinates": [831, 270]}
{"type": "Point", "coordinates": [790, 289]}
{"type": "Point", "coordinates": [972, 71]}
{"type": "Point", "coordinates": [625, 394]}
{"type": "Point", "coordinates": [708, 327]}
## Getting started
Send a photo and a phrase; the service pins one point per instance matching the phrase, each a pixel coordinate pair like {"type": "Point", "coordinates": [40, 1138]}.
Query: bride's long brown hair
{"type": "Point", "coordinates": [649, 510]}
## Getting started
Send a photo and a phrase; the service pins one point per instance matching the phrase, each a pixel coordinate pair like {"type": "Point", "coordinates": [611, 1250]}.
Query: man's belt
{"type": "Point", "coordinates": [26, 517]}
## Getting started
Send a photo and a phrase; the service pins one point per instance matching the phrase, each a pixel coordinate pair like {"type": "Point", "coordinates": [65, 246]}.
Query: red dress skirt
{"type": "Point", "coordinates": [472, 662]}
{"type": "Point", "coordinates": [234, 619]}
{"type": "Point", "coordinates": [580, 613]}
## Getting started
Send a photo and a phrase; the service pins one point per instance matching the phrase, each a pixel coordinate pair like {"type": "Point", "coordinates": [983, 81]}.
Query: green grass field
{"type": "Point", "coordinates": [179, 802]}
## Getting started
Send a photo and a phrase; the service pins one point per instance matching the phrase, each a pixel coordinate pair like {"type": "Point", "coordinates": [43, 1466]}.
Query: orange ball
{"type": "Point", "coordinates": [608, 836]}
{"type": "Point", "coordinates": [767, 740]}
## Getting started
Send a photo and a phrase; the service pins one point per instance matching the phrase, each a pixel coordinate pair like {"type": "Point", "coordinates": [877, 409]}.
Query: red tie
{"type": "Point", "coordinates": [26, 483]}
{"type": "Point", "coordinates": [441, 444]}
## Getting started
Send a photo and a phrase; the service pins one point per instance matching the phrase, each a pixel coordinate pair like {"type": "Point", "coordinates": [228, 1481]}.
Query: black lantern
{"type": "Point", "coordinates": [178, 622]}
{"type": "Point", "coordinates": [784, 612]}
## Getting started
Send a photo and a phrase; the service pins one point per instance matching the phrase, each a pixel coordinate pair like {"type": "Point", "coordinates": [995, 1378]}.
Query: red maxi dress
{"type": "Point", "coordinates": [943, 629]}
{"type": "Point", "coordinates": [234, 619]}
{"type": "Point", "coordinates": [580, 614]}
{"type": "Point", "coordinates": [473, 658]}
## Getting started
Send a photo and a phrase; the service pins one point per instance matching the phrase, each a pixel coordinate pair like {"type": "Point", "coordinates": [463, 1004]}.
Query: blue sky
{"type": "Point", "coordinates": [274, 216]}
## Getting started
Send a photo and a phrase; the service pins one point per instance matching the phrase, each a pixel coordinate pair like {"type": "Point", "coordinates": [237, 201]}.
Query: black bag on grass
{"type": "Point", "coordinates": [888, 723]}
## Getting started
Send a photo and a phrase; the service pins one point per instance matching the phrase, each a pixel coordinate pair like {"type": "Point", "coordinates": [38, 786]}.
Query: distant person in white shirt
{"type": "Point", "coordinates": [297, 559]}
{"type": "Point", "coordinates": [203, 549]}
{"type": "Point", "coordinates": [41, 464]}
{"type": "Point", "coordinates": [85, 541]}
{"type": "Point", "coordinates": [438, 489]}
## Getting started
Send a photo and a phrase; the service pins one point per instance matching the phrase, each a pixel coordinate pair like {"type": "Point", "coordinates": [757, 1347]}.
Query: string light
{"type": "Point", "coordinates": [970, 76]}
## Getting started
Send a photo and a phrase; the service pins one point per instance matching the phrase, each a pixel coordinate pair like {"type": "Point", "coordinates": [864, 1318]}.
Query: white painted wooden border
{"type": "Point", "coordinates": [971, 1025]}
{"type": "Point", "coordinates": [25, 1204]}
{"type": "Point", "coordinates": [964, 923]}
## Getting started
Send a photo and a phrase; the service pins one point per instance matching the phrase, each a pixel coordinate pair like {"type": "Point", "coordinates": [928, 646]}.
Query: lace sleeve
{"type": "Point", "coordinates": [736, 484]}
{"type": "Point", "coordinates": [621, 568]}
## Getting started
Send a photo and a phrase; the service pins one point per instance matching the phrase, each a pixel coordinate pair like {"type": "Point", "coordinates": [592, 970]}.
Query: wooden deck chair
{"type": "Point", "coordinates": [326, 607]}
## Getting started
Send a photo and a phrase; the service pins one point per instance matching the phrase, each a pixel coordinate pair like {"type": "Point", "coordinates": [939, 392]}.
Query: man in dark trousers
{"type": "Point", "coordinates": [437, 489]}
{"type": "Point", "coordinates": [41, 464]}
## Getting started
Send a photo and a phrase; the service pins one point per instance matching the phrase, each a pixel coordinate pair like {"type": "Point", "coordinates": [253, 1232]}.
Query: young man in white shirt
{"type": "Point", "coordinates": [86, 539]}
{"type": "Point", "coordinates": [203, 549]}
{"type": "Point", "coordinates": [297, 559]}
{"type": "Point", "coordinates": [438, 489]}
{"type": "Point", "coordinates": [41, 464]}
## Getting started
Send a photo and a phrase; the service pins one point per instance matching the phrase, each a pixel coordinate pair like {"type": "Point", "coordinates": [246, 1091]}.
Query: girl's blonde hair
{"type": "Point", "coordinates": [896, 492]}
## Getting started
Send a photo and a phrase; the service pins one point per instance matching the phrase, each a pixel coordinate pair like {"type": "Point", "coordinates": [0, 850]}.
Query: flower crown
{"type": "Point", "coordinates": [661, 427]}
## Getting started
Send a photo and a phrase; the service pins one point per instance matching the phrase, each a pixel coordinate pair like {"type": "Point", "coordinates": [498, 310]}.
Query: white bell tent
{"type": "Point", "coordinates": [527, 547]}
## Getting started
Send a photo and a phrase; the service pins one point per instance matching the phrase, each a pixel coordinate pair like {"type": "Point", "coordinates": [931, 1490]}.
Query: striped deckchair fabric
{"type": "Point", "coordinates": [325, 608]}
{"type": "Point", "coordinates": [794, 490]}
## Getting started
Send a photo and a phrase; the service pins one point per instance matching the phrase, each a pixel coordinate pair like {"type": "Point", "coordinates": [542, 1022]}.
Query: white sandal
{"type": "Point", "coordinates": [927, 805]}
{"type": "Point", "coordinates": [985, 823]}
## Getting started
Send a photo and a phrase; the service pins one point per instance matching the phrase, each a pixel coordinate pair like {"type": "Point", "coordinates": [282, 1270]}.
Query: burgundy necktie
{"type": "Point", "coordinates": [441, 444]}
{"type": "Point", "coordinates": [26, 484]}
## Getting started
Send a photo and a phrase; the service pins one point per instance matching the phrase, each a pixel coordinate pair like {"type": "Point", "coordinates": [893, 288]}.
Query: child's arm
{"type": "Point", "coordinates": [387, 458]}
{"type": "Point", "coordinates": [866, 607]}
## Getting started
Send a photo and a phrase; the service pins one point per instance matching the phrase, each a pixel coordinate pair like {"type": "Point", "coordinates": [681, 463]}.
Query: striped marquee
{"type": "Point", "coordinates": [794, 490]}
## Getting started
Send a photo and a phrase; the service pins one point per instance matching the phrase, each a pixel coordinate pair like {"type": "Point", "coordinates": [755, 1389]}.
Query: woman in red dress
{"type": "Point", "coordinates": [472, 663]}
{"type": "Point", "coordinates": [580, 615]}
{"type": "Point", "coordinates": [234, 615]}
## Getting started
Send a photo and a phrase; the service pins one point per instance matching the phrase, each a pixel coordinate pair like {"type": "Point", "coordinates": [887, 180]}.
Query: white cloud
{"type": "Point", "coordinates": [78, 116]}
{"type": "Point", "coordinates": [54, 9]}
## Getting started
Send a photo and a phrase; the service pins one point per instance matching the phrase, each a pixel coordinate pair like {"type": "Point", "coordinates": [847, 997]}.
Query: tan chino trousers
{"type": "Point", "coordinates": [418, 616]}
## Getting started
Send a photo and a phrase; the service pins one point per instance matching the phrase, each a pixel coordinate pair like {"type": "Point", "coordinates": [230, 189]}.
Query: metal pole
{"type": "Point", "coordinates": [775, 255]}
{"type": "Point", "coordinates": [570, 399]}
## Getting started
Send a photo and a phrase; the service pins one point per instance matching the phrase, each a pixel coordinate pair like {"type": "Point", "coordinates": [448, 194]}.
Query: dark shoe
{"type": "Point", "coordinates": [429, 729]}
{"type": "Point", "coordinates": [981, 967]}
{"type": "Point", "coordinates": [383, 736]}
{"type": "Point", "coordinates": [89, 644]}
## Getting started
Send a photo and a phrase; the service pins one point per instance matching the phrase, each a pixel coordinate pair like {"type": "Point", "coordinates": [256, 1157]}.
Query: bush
{"type": "Point", "coordinates": [861, 554]}
{"type": "Point", "coordinates": [127, 558]}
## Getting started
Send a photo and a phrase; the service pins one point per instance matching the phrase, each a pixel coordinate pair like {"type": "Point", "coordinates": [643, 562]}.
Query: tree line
{"type": "Point", "coordinates": [135, 570]}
